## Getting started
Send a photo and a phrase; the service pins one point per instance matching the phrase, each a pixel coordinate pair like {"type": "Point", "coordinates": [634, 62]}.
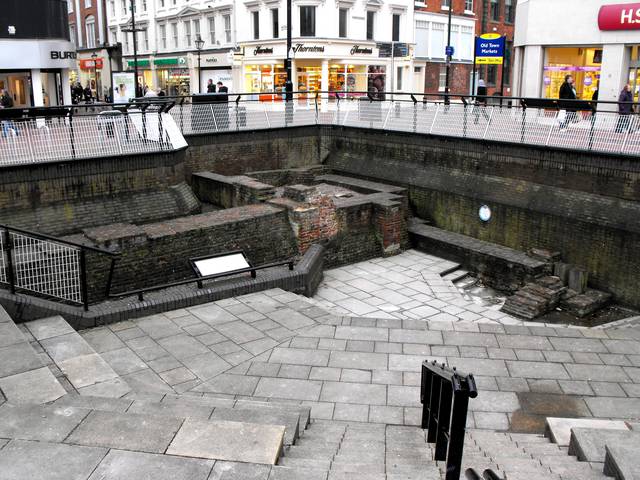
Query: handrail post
{"type": "Point", "coordinates": [110, 277]}
{"type": "Point", "coordinates": [83, 280]}
{"type": "Point", "coordinates": [10, 274]}
{"type": "Point", "coordinates": [456, 437]}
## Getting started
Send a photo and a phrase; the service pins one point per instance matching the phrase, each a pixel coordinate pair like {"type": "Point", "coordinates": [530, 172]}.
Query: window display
{"type": "Point", "coordinates": [583, 63]}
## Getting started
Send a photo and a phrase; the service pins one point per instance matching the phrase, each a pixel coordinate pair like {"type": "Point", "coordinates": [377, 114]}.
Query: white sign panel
{"type": "Point", "coordinates": [224, 264]}
{"type": "Point", "coordinates": [124, 86]}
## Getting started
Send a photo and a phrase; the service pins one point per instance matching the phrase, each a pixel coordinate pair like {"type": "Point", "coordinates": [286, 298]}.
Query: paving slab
{"type": "Point", "coordinates": [126, 431]}
{"type": "Point", "coordinates": [290, 421]}
{"type": "Point", "coordinates": [613, 407]}
{"type": "Point", "coordinates": [87, 370]}
{"type": "Point", "coordinates": [300, 356]}
{"type": "Point", "coordinates": [18, 358]}
{"type": "Point", "coordinates": [354, 393]}
{"type": "Point", "coordinates": [286, 388]}
{"type": "Point", "coordinates": [559, 429]}
{"type": "Point", "coordinates": [49, 327]}
{"type": "Point", "coordinates": [123, 465]}
{"type": "Point", "coordinates": [223, 470]}
{"type": "Point", "coordinates": [622, 460]}
{"type": "Point", "coordinates": [22, 460]}
{"type": "Point", "coordinates": [48, 423]}
{"type": "Point", "coordinates": [232, 441]}
{"type": "Point", "coordinates": [34, 386]}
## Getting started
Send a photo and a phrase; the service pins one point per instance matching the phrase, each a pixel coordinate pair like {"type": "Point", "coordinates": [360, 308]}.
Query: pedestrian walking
{"type": "Point", "coordinates": [87, 93]}
{"type": "Point", "coordinates": [568, 92]}
{"type": "Point", "coordinates": [625, 109]}
{"type": "Point", "coordinates": [223, 109]}
{"type": "Point", "coordinates": [481, 102]}
{"type": "Point", "coordinates": [6, 101]}
{"type": "Point", "coordinates": [211, 88]}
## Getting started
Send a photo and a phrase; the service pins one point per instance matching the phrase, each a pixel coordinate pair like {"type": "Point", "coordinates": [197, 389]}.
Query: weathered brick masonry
{"type": "Point", "coordinates": [583, 205]}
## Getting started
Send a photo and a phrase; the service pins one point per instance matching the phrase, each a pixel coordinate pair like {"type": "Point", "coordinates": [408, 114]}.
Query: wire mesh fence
{"type": "Point", "coordinates": [41, 266]}
{"type": "Point", "coordinates": [110, 132]}
{"type": "Point", "coordinates": [605, 131]}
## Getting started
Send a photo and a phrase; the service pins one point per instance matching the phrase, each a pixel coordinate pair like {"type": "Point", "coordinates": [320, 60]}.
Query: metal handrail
{"type": "Point", "coordinates": [198, 280]}
{"type": "Point", "coordinates": [445, 394]}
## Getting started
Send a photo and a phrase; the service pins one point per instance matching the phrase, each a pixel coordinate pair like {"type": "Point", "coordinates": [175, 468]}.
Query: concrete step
{"type": "Point", "coordinates": [456, 276]}
{"type": "Point", "coordinates": [71, 355]}
{"type": "Point", "coordinates": [622, 460]}
{"type": "Point", "coordinates": [296, 473]}
{"type": "Point", "coordinates": [559, 429]}
{"type": "Point", "coordinates": [195, 438]}
{"type": "Point", "coordinates": [24, 377]}
{"type": "Point", "coordinates": [588, 444]}
{"type": "Point", "coordinates": [290, 421]}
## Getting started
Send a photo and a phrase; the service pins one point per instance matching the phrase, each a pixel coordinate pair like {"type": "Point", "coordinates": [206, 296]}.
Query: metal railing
{"type": "Point", "coordinates": [488, 474]}
{"type": "Point", "coordinates": [43, 265]}
{"type": "Point", "coordinates": [576, 125]}
{"type": "Point", "coordinates": [445, 394]}
{"type": "Point", "coordinates": [46, 135]}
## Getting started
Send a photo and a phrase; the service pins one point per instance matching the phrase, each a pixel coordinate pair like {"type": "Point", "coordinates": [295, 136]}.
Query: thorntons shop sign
{"type": "Point", "coordinates": [622, 16]}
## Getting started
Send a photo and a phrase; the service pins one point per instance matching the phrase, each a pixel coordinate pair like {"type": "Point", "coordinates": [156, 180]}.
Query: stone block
{"type": "Point", "coordinates": [232, 441]}
{"type": "Point", "coordinates": [34, 386]}
{"type": "Point", "coordinates": [622, 460]}
{"type": "Point", "coordinates": [588, 443]}
{"type": "Point", "coordinates": [559, 429]}
{"type": "Point", "coordinates": [578, 279]}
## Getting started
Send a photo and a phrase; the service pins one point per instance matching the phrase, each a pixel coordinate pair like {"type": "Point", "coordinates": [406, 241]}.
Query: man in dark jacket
{"type": "Point", "coordinates": [222, 110]}
{"type": "Point", "coordinates": [568, 92]}
{"type": "Point", "coordinates": [625, 109]}
{"type": "Point", "coordinates": [211, 87]}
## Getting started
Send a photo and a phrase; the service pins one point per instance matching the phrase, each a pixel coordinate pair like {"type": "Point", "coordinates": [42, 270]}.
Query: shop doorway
{"type": "Point", "coordinates": [634, 72]}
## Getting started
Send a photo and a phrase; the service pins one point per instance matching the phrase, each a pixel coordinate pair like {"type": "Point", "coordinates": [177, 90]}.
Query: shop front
{"type": "Point", "coordinates": [39, 75]}
{"type": "Point", "coordinates": [167, 74]}
{"type": "Point", "coordinates": [318, 67]}
{"type": "Point", "coordinates": [217, 67]}
{"type": "Point", "coordinates": [601, 54]}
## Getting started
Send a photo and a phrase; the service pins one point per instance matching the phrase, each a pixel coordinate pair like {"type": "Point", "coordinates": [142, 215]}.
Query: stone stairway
{"type": "Point", "coordinates": [72, 360]}
{"type": "Point", "coordinates": [24, 378]}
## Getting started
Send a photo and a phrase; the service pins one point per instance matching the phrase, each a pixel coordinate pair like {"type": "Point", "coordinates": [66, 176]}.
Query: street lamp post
{"type": "Point", "coordinates": [94, 57]}
{"type": "Point", "coordinates": [288, 87]}
{"type": "Point", "coordinates": [449, 55]}
{"type": "Point", "coordinates": [199, 44]}
{"type": "Point", "coordinates": [134, 31]}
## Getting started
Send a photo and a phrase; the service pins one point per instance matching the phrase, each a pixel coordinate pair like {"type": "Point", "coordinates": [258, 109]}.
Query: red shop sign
{"type": "Point", "coordinates": [622, 16]}
{"type": "Point", "coordinates": [87, 64]}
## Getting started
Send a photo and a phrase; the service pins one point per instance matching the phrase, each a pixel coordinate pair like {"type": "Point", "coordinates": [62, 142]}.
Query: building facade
{"type": "Point", "coordinates": [601, 51]}
{"type": "Point", "coordinates": [469, 18]}
{"type": "Point", "coordinates": [341, 45]}
{"type": "Point", "coordinates": [36, 54]}
{"type": "Point", "coordinates": [96, 57]}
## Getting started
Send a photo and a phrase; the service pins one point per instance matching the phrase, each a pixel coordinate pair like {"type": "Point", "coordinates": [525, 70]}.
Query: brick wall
{"type": "Point", "coordinates": [159, 253]}
{"type": "Point", "coordinates": [585, 206]}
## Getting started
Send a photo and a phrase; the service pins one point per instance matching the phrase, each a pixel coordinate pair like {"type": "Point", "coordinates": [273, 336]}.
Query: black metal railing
{"type": "Point", "coordinates": [198, 280]}
{"type": "Point", "coordinates": [47, 266]}
{"type": "Point", "coordinates": [445, 394]}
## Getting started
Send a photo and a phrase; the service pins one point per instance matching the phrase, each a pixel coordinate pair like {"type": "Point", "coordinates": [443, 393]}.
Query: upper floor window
{"type": "Point", "coordinates": [307, 21]}
{"type": "Point", "coordinates": [446, 3]}
{"type": "Point", "coordinates": [468, 5]}
{"type": "Point", "coordinates": [342, 22]}
{"type": "Point", "coordinates": [70, 6]}
{"type": "Point", "coordinates": [161, 3]}
{"type": "Point", "coordinates": [196, 29]}
{"type": "Point", "coordinates": [90, 29]}
{"type": "Point", "coordinates": [123, 4]}
{"type": "Point", "coordinates": [174, 34]}
{"type": "Point", "coordinates": [371, 20]}
{"type": "Point", "coordinates": [187, 32]}
{"type": "Point", "coordinates": [144, 5]}
{"type": "Point", "coordinates": [256, 25]}
{"type": "Point", "coordinates": [495, 10]}
{"type": "Point", "coordinates": [87, 3]}
{"type": "Point", "coordinates": [114, 36]}
{"type": "Point", "coordinates": [274, 22]}
{"type": "Point", "coordinates": [509, 11]}
{"type": "Point", "coordinates": [162, 31]}
{"type": "Point", "coordinates": [212, 30]}
{"type": "Point", "coordinates": [227, 28]}
{"type": "Point", "coordinates": [72, 33]}
{"type": "Point", "coordinates": [112, 7]}
{"type": "Point", "coordinates": [395, 28]}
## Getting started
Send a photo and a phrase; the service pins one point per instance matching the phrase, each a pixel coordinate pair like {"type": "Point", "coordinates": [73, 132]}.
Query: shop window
{"type": "Point", "coordinates": [395, 28]}
{"type": "Point", "coordinates": [468, 5]}
{"type": "Point", "coordinates": [256, 25]}
{"type": "Point", "coordinates": [162, 30]}
{"type": "Point", "coordinates": [227, 28]}
{"type": "Point", "coordinates": [212, 30]}
{"type": "Point", "coordinates": [174, 34]}
{"type": "Point", "coordinates": [584, 64]}
{"type": "Point", "coordinates": [90, 29]}
{"type": "Point", "coordinates": [495, 10]}
{"type": "Point", "coordinates": [342, 22]}
{"type": "Point", "coordinates": [492, 74]}
{"type": "Point", "coordinates": [371, 20]}
{"type": "Point", "coordinates": [376, 79]}
{"type": "Point", "coordinates": [274, 23]}
{"type": "Point", "coordinates": [187, 32]}
{"type": "Point", "coordinates": [399, 78]}
{"type": "Point", "coordinates": [307, 21]}
{"type": "Point", "coordinates": [509, 11]}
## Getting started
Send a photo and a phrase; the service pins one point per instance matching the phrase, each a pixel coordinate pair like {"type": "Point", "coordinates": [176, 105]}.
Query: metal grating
{"type": "Point", "coordinates": [46, 267]}
{"type": "Point", "coordinates": [3, 262]}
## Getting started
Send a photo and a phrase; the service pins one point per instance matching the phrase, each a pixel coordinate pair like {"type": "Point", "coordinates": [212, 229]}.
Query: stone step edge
{"type": "Point", "coordinates": [110, 383]}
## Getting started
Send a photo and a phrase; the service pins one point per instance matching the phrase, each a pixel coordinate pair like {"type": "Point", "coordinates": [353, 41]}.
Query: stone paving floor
{"type": "Point", "coordinates": [275, 345]}
{"type": "Point", "coordinates": [405, 286]}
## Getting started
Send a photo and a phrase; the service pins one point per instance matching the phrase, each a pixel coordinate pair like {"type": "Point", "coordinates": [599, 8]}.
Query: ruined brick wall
{"type": "Point", "coordinates": [587, 206]}
{"type": "Point", "coordinates": [158, 253]}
